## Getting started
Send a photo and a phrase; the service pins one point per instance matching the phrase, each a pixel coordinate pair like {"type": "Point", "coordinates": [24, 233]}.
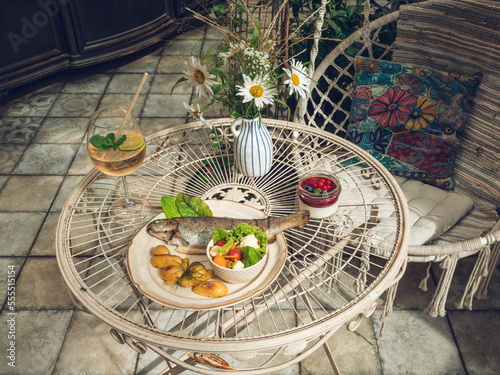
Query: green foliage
{"type": "Point", "coordinates": [342, 18]}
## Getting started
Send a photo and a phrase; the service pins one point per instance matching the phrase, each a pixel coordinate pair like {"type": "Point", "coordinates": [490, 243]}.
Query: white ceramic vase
{"type": "Point", "coordinates": [253, 147]}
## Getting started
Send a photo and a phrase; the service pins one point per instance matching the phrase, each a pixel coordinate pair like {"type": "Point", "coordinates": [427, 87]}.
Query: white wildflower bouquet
{"type": "Point", "coordinates": [245, 76]}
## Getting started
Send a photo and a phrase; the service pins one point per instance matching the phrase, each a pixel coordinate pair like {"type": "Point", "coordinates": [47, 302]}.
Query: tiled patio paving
{"type": "Point", "coordinates": [42, 158]}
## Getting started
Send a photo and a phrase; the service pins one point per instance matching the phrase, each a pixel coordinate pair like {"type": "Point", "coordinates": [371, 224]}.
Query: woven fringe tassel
{"type": "Point", "coordinates": [360, 283]}
{"type": "Point", "coordinates": [437, 305]}
{"type": "Point", "coordinates": [479, 271]}
{"type": "Point", "coordinates": [423, 283]}
{"type": "Point", "coordinates": [493, 262]}
{"type": "Point", "coordinates": [390, 296]}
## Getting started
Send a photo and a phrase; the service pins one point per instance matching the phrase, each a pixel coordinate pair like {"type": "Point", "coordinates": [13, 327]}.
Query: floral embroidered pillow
{"type": "Point", "coordinates": [410, 118]}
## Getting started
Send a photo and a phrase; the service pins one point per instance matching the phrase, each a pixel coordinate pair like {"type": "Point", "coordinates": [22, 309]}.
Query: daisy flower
{"type": "Point", "coordinates": [297, 78]}
{"type": "Point", "coordinates": [196, 113]}
{"type": "Point", "coordinates": [256, 89]}
{"type": "Point", "coordinates": [198, 75]}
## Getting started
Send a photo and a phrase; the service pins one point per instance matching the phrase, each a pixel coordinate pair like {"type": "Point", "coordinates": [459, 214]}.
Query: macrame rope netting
{"type": "Point", "coordinates": [367, 37]}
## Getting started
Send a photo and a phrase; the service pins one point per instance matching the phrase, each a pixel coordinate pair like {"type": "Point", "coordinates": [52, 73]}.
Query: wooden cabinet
{"type": "Point", "coordinates": [107, 29]}
{"type": "Point", "coordinates": [32, 44]}
{"type": "Point", "coordinates": [44, 36]}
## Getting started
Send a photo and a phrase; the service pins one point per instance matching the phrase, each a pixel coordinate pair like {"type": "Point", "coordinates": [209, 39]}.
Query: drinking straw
{"type": "Point", "coordinates": [127, 115]}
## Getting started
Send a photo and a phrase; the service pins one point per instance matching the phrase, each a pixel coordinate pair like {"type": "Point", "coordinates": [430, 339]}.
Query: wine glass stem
{"type": "Point", "coordinates": [128, 202]}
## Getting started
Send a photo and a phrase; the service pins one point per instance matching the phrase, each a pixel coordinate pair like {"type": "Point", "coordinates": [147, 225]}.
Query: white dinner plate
{"type": "Point", "coordinates": [147, 278]}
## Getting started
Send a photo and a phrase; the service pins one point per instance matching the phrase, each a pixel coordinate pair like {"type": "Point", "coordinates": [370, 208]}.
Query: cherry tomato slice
{"type": "Point", "coordinates": [232, 258]}
{"type": "Point", "coordinates": [220, 243]}
{"type": "Point", "coordinates": [234, 253]}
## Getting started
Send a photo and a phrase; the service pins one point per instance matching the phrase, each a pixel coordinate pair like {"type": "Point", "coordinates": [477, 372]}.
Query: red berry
{"type": "Point", "coordinates": [321, 184]}
{"type": "Point", "coordinates": [322, 180]}
{"type": "Point", "coordinates": [315, 185]}
{"type": "Point", "coordinates": [329, 182]}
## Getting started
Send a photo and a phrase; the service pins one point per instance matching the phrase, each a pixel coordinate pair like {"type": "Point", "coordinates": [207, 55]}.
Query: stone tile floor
{"type": "Point", "coordinates": [43, 157]}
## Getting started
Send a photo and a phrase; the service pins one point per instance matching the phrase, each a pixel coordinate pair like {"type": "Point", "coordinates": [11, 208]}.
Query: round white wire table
{"type": "Point", "coordinates": [334, 269]}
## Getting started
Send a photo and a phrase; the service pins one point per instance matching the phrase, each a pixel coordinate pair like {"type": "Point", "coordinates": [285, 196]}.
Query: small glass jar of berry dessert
{"type": "Point", "coordinates": [319, 193]}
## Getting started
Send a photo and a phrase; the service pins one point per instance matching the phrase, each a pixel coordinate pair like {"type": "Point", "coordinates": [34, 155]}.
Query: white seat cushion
{"type": "Point", "coordinates": [432, 211]}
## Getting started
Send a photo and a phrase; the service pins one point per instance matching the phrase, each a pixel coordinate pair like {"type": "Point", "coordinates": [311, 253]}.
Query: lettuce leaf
{"type": "Point", "coordinates": [249, 256]}
{"type": "Point", "coordinates": [184, 205]}
{"type": "Point", "coordinates": [219, 233]}
{"type": "Point", "coordinates": [263, 239]}
{"type": "Point", "coordinates": [241, 230]}
{"type": "Point", "coordinates": [169, 207]}
{"type": "Point", "coordinates": [191, 206]}
{"type": "Point", "coordinates": [224, 249]}
{"type": "Point", "coordinates": [244, 229]}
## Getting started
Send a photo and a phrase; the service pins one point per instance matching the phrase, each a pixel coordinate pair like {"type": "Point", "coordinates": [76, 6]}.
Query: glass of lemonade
{"type": "Point", "coordinates": [118, 150]}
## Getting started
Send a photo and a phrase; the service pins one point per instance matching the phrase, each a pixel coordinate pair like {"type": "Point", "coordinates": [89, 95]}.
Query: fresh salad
{"type": "Point", "coordinates": [239, 248]}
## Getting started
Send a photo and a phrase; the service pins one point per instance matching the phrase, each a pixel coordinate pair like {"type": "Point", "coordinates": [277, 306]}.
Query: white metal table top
{"type": "Point", "coordinates": [335, 268]}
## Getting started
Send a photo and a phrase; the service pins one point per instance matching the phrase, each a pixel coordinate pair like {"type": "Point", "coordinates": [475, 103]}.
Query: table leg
{"type": "Point", "coordinates": [328, 351]}
{"type": "Point", "coordinates": [75, 301]}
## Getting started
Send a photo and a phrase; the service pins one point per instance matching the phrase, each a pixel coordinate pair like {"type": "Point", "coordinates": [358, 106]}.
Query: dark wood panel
{"type": "Point", "coordinates": [29, 32]}
{"type": "Point", "coordinates": [101, 23]}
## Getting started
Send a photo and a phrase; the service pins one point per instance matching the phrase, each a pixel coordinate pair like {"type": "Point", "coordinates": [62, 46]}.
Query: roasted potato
{"type": "Point", "coordinates": [197, 270]}
{"type": "Point", "coordinates": [208, 276]}
{"type": "Point", "coordinates": [195, 274]}
{"type": "Point", "coordinates": [163, 261]}
{"type": "Point", "coordinates": [172, 274]}
{"type": "Point", "coordinates": [160, 250]}
{"type": "Point", "coordinates": [213, 289]}
{"type": "Point", "coordinates": [188, 281]}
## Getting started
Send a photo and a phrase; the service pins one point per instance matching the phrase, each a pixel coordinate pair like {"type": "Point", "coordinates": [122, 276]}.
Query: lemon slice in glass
{"type": "Point", "coordinates": [132, 143]}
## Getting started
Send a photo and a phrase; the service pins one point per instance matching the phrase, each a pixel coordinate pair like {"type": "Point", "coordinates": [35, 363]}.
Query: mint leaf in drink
{"type": "Point", "coordinates": [119, 142]}
{"type": "Point", "coordinates": [111, 138]}
{"type": "Point", "coordinates": [98, 141]}
{"type": "Point", "coordinates": [105, 143]}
